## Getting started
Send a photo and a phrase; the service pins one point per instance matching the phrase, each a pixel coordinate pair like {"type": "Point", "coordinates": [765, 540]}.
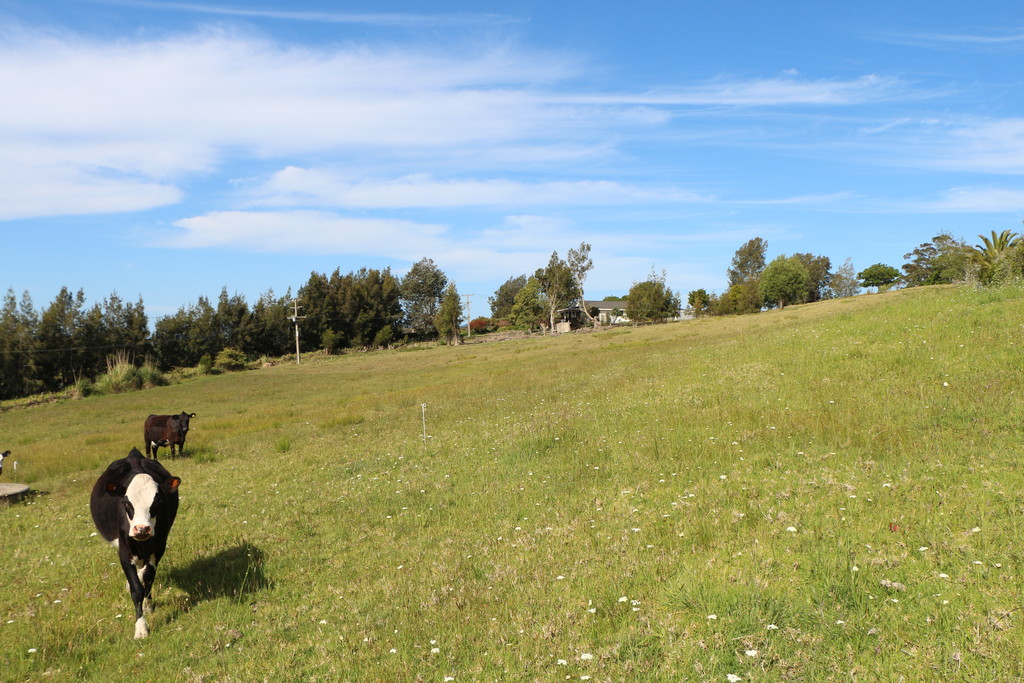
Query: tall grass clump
{"type": "Point", "coordinates": [123, 375]}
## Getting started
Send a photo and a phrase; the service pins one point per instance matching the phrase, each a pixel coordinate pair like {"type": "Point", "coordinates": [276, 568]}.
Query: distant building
{"type": "Point", "coordinates": [608, 313]}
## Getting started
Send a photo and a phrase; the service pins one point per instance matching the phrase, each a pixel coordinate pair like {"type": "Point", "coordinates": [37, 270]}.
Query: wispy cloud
{"type": "Point", "coordinates": [766, 92]}
{"type": "Point", "coordinates": [371, 18]}
{"type": "Point", "coordinates": [960, 40]}
{"type": "Point", "coordinates": [991, 146]}
{"type": "Point", "coordinates": [817, 200]}
{"type": "Point", "coordinates": [295, 186]}
{"type": "Point", "coordinates": [304, 231]}
{"type": "Point", "coordinates": [975, 200]}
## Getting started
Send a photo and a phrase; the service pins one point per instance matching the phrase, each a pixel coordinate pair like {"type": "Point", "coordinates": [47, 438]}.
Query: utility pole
{"type": "Point", "coordinates": [469, 330]}
{"type": "Point", "coordinates": [295, 319]}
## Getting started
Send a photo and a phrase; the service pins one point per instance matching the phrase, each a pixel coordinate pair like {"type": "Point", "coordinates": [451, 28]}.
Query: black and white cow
{"type": "Point", "coordinates": [133, 504]}
{"type": "Point", "coordinates": [2, 456]}
{"type": "Point", "coordinates": [166, 430]}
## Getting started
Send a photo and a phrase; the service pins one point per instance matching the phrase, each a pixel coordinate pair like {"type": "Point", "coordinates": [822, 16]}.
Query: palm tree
{"type": "Point", "coordinates": [996, 246]}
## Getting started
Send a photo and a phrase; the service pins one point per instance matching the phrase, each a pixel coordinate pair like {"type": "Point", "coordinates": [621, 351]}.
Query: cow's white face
{"type": "Point", "coordinates": [138, 503]}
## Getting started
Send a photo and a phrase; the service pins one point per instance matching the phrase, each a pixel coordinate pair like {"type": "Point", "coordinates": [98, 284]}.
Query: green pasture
{"type": "Point", "coordinates": [827, 492]}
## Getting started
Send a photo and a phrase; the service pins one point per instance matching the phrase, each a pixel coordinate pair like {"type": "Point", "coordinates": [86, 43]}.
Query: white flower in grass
{"type": "Point", "coordinates": [32, 650]}
{"type": "Point", "coordinates": [712, 617]}
{"type": "Point", "coordinates": [592, 610]}
{"type": "Point", "coordinates": [563, 662]}
{"type": "Point", "coordinates": [751, 653]}
{"type": "Point", "coordinates": [435, 650]}
{"type": "Point", "coordinates": [586, 656]}
{"type": "Point", "coordinates": [922, 549]}
{"type": "Point", "coordinates": [943, 575]}
{"type": "Point", "coordinates": [772, 627]}
{"type": "Point", "coordinates": [623, 599]}
{"type": "Point", "coordinates": [791, 529]}
{"type": "Point", "coordinates": [733, 678]}
{"type": "Point", "coordinates": [449, 678]}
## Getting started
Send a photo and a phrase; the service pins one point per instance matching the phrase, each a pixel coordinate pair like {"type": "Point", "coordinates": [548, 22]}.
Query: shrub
{"type": "Point", "coordinates": [150, 375]}
{"type": "Point", "coordinates": [482, 325]}
{"type": "Point", "coordinates": [205, 366]}
{"type": "Point", "coordinates": [230, 359]}
{"type": "Point", "coordinates": [121, 376]}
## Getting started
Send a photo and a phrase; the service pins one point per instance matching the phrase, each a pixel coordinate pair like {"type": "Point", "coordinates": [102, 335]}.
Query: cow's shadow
{"type": "Point", "coordinates": [235, 573]}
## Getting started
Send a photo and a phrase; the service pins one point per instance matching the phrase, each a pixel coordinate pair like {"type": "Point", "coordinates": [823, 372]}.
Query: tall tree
{"type": "Point", "coordinates": [505, 297]}
{"type": "Point", "coordinates": [844, 281]}
{"type": "Point", "coordinates": [651, 300]}
{"type": "Point", "coordinates": [943, 260]}
{"type": "Point", "coordinates": [699, 302]}
{"type": "Point", "coordinates": [58, 339]}
{"type": "Point", "coordinates": [580, 264]}
{"type": "Point", "coordinates": [18, 329]}
{"type": "Point", "coordinates": [785, 281]}
{"type": "Point", "coordinates": [558, 285]}
{"type": "Point", "coordinates": [819, 271]}
{"type": "Point", "coordinates": [748, 262]}
{"type": "Point", "coordinates": [528, 308]}
{"type": "Point", "coordinates": [449, 316]}
{"type": "Point", "coordinates": [879, 275]}
{"type": "Point", "coordinates": [421, 292]}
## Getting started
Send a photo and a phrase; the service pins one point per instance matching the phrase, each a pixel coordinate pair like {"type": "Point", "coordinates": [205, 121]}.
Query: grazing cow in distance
{"type": "Point", "coordinates": [2, 456]}
{"type": "Point", "coordinates": [133, 504]}
{"type": "Point", "coordinates": [166, 430]}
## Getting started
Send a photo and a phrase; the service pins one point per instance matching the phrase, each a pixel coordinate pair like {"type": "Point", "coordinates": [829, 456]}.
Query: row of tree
{"type": "Point", "coordinates": [68, 340]}
{"type": "Point", "coordinates": [802, 278]}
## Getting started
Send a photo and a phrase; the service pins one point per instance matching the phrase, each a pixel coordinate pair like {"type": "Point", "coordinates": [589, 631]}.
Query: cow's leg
{"type": "Point", "coordinates": [138, 592]}
{"type": "Point", "coordinates": [155, 447]}
{"type": "Point", "coordinates": [147, 573]}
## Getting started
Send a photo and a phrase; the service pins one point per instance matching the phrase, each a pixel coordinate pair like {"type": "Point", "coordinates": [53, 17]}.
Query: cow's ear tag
{"type": "Point", "coordinates": [172, 484]}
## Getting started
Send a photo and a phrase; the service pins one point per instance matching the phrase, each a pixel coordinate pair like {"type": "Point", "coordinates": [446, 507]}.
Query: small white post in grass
{"type": "Point", "coordinates": [423, 407]}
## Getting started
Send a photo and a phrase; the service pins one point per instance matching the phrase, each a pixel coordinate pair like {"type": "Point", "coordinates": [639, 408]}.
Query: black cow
{"type": "Point", "coordinates": [2, 456]}
{"type": "Point", "coordinates": [134, 504]}
{"type": "Point", "coordinates": [166, 430]}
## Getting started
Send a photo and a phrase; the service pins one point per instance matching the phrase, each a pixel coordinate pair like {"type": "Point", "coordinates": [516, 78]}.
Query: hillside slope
{"type": "Point", "coordinates": [827, 491]}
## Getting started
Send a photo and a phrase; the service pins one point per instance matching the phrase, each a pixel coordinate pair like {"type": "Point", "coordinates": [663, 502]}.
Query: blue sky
{"type": "Point", "coordinates": [169, 149]}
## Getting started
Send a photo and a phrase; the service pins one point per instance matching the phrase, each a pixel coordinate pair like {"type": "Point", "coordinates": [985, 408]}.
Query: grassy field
{"type": "Point", "coordinates": [832, 491]}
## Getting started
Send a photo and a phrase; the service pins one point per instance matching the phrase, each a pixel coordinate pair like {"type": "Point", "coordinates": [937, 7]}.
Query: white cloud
{"type": "Point", "coordinates": [763, 92]}
{"type": "Point", "coordinates": [155, 113]}
{"type": "Point", "coordinates": [977, 200]}
{"type": "Point", "coordinates": [29, 191]}
{"type": "Point", "coordinates": [375, 19]}
{"type": "Point", "coordinates": [306, 231]}
{"type": "Point", "coordinates": [294, 186]}
{"type": "Point", "coordinates": [995, 146]}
